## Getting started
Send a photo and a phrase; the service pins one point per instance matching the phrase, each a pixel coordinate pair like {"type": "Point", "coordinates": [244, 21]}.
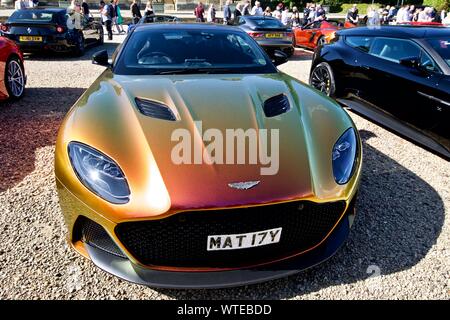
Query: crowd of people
{"type": "Point", "coordinates": [315, 12]}
{"type": "Point", "coordinates": [281, 12]}
{"type": "Point", "coordinates": [405, 14]}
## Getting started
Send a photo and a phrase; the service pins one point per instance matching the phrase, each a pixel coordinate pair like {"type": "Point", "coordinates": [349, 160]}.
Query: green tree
{"type": "Point", "coordinates": [437, 4]}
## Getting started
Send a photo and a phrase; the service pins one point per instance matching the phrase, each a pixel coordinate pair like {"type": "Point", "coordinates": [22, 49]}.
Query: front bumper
{"type": "Point", "coordinates": [125, 269]}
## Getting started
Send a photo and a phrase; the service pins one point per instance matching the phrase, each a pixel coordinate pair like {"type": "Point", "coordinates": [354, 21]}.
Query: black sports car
{"type": "Point", "coordinates": [398, 77]}
{"type": "Point", "coordinates": [38, 29]}
{"type": "Point", "coordinates": [154, 18]}
{"type": "Point", "coordinates": [269, 32]}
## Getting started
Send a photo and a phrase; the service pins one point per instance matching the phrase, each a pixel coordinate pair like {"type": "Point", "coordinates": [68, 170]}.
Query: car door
{"type": "Point", "coordinates": [357, 78]}
{"type": "Point", "coordinates": [403, 89]}
{"type": "Point", "coordinates": [303, 35]}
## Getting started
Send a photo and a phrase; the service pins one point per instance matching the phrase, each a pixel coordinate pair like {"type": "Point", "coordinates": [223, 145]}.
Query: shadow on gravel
{"type": "Point", "coordinates": [399, 217]}
{"type": "Point", "coordinates": [301, 55]}
{"type": "Point", "coordinates": [27, 125]}
{"type": "Point", "coordinates": [89, 51]}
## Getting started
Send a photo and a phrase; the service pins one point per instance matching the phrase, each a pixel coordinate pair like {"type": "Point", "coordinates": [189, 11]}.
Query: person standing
{"type": "Point", "coordinates": [306, 11]}
{"type": "Point", "coordinates": [85, 8]}
{"type": "Point", "coordinates": [295, 17]}
{"type": "Point", "coordinates": [19, 4]}
{"type": "Point", "coordinates": [227, 12]}
{"type": "Point", "coordinates": [352, 15]}
{"type": "Point", "coordinates": [320, 13]}
{"type": "Point", "coordinates": [312, 13]}
{"type": "Point", "coordinates": [211, 15]}
{"type": "Point", "coordinates": [199, 13]}
{"type": "Point", "coordinates": [246, 10]}
{"type": "Point", "coordinates": [237, 12]}
{"type": "Point", "coordinates": [268, 12]}
{"type": "Point", "coordinates": [285, 16]}
{"type": "Point", "coordinates": [373, 18]}
{"type": "Point", "coordinates": [277, 12]}
{"type": "Point", "coordinates": [119, 18]}
{"type": "Point", "coordinates": [135, 12]}
{"type": "Point", "coordinates": [257, 10]}
{"type": "Point", "coordinates": [106, 18]}
{"type": "Point", "coordinates": [149, 8]}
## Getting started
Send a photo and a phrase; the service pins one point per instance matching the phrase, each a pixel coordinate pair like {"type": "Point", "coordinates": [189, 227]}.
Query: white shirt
{"type": "Point", "coordinates": [257, 11]}
{"type": "Point", "coordinates": [285, 16]}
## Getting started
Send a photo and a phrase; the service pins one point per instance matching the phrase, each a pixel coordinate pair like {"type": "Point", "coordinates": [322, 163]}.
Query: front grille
{"type": "Point", "coordinates": [181, 239]}
{"type": "Point", "coordinates": [93, 234]}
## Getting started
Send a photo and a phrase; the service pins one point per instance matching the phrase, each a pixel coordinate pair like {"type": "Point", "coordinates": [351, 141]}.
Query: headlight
{"type": "Point", "coordinates": [344, 156]}
{"type": "Point", "coordinates": [99, 173]}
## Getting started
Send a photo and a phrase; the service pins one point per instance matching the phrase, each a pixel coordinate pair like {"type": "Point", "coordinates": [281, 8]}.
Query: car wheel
{"type": "Point", "coordinates": [79, 48]}
{"type": "Point", "coordinates": [101, 39]}
{"type": "Point", "coordinates": [14, 78]}
{"type": "Point", "coordinates": [322, 78]}
{"type": "Point", "coordinates": [321, 41]}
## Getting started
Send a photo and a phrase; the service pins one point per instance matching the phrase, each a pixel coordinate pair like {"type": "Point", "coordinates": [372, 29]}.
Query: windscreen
{"type": "Point", "coordinates": [442, 47]}
{"type": "Point", "coordinates": [156, 51]}
{"type": "Point", "coordinates": [42, 16]}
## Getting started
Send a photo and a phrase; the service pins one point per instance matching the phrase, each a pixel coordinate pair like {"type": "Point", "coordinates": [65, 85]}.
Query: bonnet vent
{"type": "Point", "coordinates": [155, 109]}
{"type": "Point", "coordinates": [276, 105]}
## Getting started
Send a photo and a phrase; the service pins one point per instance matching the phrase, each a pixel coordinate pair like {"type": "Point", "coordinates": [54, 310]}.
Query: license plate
{"type": "Point", "coordinates": [243, 240]}
{"type": "Point", "coordinates": [274, 35]}
{"type": "Point", "coordinates": [30, 38]}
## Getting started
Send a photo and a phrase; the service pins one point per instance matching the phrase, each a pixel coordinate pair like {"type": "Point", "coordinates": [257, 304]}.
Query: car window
{"type": "Point", "coordinates": [394, 49]}
{"type": "Point", "coordinates": [33, 15]}
{"type": "Point", "coordinates": [268, 23]}
{"type": "Point", "coordinates": [361, 43]}
{"type": "Point", "coordinates": [427, 62]}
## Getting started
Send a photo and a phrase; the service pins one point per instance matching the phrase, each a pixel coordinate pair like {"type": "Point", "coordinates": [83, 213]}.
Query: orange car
{"type": "Point", "coordinates": [316, 33]}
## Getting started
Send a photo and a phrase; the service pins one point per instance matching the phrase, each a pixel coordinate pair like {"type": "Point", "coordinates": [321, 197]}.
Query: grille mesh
{"type": "Point", "coordinates": [94, 234]}
{"type": "Point", "coordinates": [181, 239]}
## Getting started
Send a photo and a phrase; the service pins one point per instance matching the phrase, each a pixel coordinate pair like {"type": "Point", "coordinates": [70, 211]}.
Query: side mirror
{"type": "Point", "coordinates": [279, 57]}
{"type": "Point", "coordinates": [101, 58]}
{"type": "Point", "coordinates": [411, 62]}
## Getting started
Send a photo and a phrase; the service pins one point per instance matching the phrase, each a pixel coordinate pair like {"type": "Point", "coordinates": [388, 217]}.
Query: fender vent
{"type": "Point", "coordinates": [155, 109]}
{"type": "Point", "coordinates": [276, 105]}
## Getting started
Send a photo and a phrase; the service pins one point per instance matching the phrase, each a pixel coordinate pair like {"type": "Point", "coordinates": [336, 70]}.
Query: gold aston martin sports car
{"type": "Point", "coordinates": [192, 162]}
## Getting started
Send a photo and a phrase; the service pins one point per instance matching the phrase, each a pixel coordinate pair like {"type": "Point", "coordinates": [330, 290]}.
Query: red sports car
{"type": "Point", "coordinates": [316, 33]}
{"type": "Point", "coordinates": [12, 72]}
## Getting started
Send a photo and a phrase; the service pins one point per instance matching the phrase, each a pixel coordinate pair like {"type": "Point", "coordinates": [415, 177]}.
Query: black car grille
{"type": "Point", "coordinates": [180, 240]}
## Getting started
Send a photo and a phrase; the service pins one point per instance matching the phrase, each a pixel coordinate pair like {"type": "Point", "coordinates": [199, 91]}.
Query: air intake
{"type": "Point", "coordinates": [155, 109]}
{"type": "Point", "coordinates": [94, 234]}
{"type": "Point", "coordinates": [276, 105]}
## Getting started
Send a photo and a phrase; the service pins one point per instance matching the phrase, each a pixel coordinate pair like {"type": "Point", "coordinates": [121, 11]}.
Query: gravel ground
{"type": "Point", "coordinates": [398, 248]}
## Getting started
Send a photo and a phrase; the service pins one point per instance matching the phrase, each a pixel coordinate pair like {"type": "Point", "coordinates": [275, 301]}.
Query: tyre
{"type": "Point", "coordinates": [321, 41]}
{"type": "Point", "coordinates": [14, 78]}
{"type": "Point", "coordinates": [79, 48]}
{"type": "Point", "coordinates": [322, 79]}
